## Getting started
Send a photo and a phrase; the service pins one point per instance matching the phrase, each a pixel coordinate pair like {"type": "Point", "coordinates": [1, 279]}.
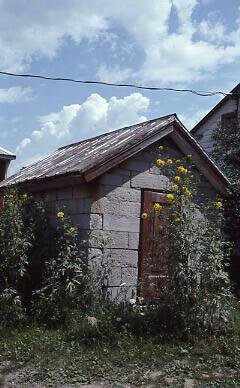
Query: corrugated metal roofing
{"type": "Point", "coordinates": [78, 157]}
{"type": "Point", "coordinates": [4, 152]}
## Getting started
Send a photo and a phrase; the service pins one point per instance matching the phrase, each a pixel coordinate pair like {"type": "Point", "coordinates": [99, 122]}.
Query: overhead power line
{"type": "Point", "coordinates": [153, 88]}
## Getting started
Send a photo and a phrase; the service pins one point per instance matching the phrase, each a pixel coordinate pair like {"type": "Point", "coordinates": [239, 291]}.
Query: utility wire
{"type": "Point", "coordinates": [154, 88]}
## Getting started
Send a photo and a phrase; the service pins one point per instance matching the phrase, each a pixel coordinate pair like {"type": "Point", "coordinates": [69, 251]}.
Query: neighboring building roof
{"type": "Point", "coordinates": [90, 158]}
{"type": "Point", "coordinates": [233, 94]}
{"type": "Point", "coordinates": [5, 154]}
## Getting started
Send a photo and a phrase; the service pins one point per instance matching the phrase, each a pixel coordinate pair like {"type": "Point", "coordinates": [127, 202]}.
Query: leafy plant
{"type": "Point", "coordinates": [16, 240]}
{"type": "Point", "coordinates": [197, 293]}
{"type": "Point", "coordinates": [226, 152]}
{"type": "Point", "coordinates": [65, 285]}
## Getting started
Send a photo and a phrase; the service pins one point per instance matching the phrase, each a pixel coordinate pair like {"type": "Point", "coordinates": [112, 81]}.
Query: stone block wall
{"type": "Point", "coordinates": [110, 208]}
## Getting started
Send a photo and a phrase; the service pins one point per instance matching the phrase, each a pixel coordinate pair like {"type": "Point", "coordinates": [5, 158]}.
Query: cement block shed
{"type": "Point", "coordinates": [105, 182]}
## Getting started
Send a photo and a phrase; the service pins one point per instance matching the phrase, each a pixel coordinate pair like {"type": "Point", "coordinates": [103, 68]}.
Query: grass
{"type": "Point", "coordinates": [36, 354]}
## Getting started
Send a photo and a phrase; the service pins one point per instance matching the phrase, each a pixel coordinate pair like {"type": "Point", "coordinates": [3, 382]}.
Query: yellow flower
{"type": "Point", "coordinates": [169, 161]}
{"type": "Point", "coordinates": [161, 148]}
{"type": "Point", "coordinates": [177, 219]}
{"type": "Point", "coordinates": [170, 197]}
{"type": "Point", "coordinates": [218, 205]}
{"type": "Point", "coordinates": [160, 162]}
{"type": "Point", "coordinates": [187, 192]}
{"type": "Point", "coordinates": [182, 169]}
{"type": "Point", "coordinates": [60, 214]}
{"type": "Point", "coordinates": [73, 229]}
{"type": "Point", "coordinates": [144, 215]}
{"type": "Point", "coordinates": [189, 156]}
{"type": "Point", "coordinates": [177, 178]}
{"type": "Point", "coordinates": [178, 161]}
{"type": "Point", "coordinates": [157, 207]}
{"type": "Point", "coordinates": [175, 187]}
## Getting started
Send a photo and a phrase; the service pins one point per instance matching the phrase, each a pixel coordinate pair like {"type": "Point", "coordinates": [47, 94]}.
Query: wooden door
{"type": "Point", "coordinates": [153, 260]}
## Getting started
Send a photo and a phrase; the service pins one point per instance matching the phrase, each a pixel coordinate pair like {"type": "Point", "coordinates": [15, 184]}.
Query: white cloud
{"type": "Point", "coordinates": [213, 32]}
{"type": "Point", "coordinates": [15, 94]}
{"type": "Point", "coordinates": [190, 120]}
{"type": "Point", "coordinates": [113, 74]}
{"type": "Point", "coordinates": [31, 30]}
{"type": "Point", "coordinates": [79, 121]}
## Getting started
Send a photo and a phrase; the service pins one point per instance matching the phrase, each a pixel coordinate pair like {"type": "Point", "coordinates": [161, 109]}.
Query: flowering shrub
{"type": "Point", "coordinates": [197, 291]}
{"type": "Point", "coordinates": [66, 279]}
{"type": "Point", "coordinates": [42, 269]}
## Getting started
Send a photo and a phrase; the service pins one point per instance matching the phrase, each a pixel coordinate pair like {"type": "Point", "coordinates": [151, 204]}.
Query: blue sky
{"type": "Point", "coordinates": [176, 43]}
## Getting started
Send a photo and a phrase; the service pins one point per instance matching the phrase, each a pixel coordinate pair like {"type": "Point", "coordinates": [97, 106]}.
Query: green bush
{"type": "Point", "coordinates": [16, 240]}
{"type": "Point", "coordinates": [66, 279]}
{"type": "Point", "coordinates": [197, 295]}
{"type": "Point", "coordinates": [43, 270]}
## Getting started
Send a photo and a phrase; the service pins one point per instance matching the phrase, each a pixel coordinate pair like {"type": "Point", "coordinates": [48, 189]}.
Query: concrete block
{"type": "Point", "coordinates": [121, 223]}
{"type": "Point", "coordinates": [114, 179]}
{"type": "Point", "coordinates": [87, 221]}
{"type": "Point", "coordinates": [120, 193]}
{"type": "Point", "coordinates": [62, 205]}
{"type": "Point", "coordinates": [130, 208]}
{"type": "Point", "coordinates": [81, 205]}
{"type": "Point", "coordinates": [133, 240]}
{"type": "Point", "coordinates": [83, 235]}
{"type": "Point", "coordinates": [107, 205]}
{"type": "Point", "coordinates": [73, 206]}
{"type": "Point", "coordinates": [114, 277]}
{"type": "Point", "coordinates": [65, 193]}
{"type": "Point", "coordinates": [149, 181]}
{"type": "Point", "coordinates": [81, 191]}
{"type": "Point", "coordinates": [112, 239]}
{"type": "Point", "coordinates": [154, 170]}
{"type": "Point", "coordinates": [136, 165]}
{"type": "Point", "coordinates": [123, 257]}
{"type": "Point", "coordinates": [50, 195]}
{"type": "Point", "coordinates": [95, 261]}
{"type": "Point", "coordinates": [130, 276]}
{"type": "Point", "coordinates": [121, 171]}
{"type": "Point", "coordinates": [96, 221]}
{"type": "Point", "coordinates": [149, 156]}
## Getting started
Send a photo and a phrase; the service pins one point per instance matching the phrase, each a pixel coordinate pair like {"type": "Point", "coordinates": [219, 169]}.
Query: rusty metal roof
{"type": "Point", "coordinates": [90, 158]}
{"type": "Point", "coordinates": [6, 154]}
{"type": "Point", "coordinates": [78, 157]}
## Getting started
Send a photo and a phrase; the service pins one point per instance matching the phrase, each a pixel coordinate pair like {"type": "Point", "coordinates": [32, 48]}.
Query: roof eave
{"type": "Point", "coordinates": [7, 157]}
{"type": "Point", "coordinates": [46, 183]}
{"type": "Point", "coordinates": [205, 164]}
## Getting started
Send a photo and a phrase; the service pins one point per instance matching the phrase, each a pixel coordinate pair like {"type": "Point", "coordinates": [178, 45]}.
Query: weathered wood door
{"type": "Point", "coordinates": [153, 258]}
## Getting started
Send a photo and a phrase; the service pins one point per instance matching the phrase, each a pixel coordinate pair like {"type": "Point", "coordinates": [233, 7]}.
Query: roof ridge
{"type": "Point", "coordinates": [116, 130]}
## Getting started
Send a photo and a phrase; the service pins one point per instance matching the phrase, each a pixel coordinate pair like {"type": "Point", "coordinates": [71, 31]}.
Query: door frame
{"type": "Point", "coordinates": [147, 197]}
